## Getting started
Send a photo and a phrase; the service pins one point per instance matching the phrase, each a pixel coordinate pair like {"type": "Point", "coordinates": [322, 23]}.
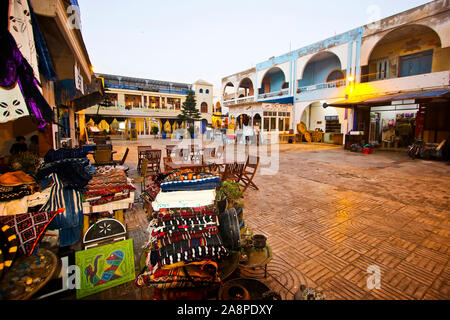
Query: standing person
{"type": "Point", "coordinates": [19, 147]}
{"type": "Point", "coordinates": [34, 145]}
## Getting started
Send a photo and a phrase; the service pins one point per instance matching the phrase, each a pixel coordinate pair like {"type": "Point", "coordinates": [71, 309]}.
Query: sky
{"type": "Point", "coordinates": [187, 40]}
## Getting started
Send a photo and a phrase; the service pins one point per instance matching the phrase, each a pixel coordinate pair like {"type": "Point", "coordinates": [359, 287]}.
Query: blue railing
{"type": "Point", "coordinates": [128, 87]}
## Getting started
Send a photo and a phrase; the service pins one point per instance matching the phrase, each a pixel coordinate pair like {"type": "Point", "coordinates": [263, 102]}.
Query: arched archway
{"type": "Point", "coordinates": [406, 51]}
{"type": "Point", "coordinates": [218, 108]}
{"type": "Point", "coordinates": [228, 91]}
{"type": "Point", "coordinates": [335, 75]}
{"type": "Point", "coordinates": [273, 81]}
{"type": "Point", "coordinates": [246, 88]}
{"type": "Point", "coordinates": [319, 67]}
{"type": "Point", "coordinates": [204, 107]}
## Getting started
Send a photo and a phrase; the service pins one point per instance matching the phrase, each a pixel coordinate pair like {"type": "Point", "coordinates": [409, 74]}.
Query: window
{"type": "Point", "coordinates": [280, 124]}
{"type": "Point", "coordinates": [286, 124]}
{"type": "Point", "coordinates": [273, 124]}
{"type": "Point", "coordinates": [207, 91]}
{"type": "Point", "coordinates": [201, 90]}
{"type": "Point", "coordinates": [382, 69]}
{"type": "Point", "coordinates": [417, 63]}
{"type": "Point", "coordinates": [266, 124]}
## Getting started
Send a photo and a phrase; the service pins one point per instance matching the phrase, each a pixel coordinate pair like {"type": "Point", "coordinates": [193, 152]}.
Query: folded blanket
{"type": "Point", "coordinates": [184, 199]}
{"type": "Point", "coordinates": [189, 275]}
{"type": "Point", "coordinates": [165, 214]}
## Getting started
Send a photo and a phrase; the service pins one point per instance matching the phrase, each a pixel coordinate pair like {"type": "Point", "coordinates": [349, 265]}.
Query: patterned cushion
{"type": "Point", "coordinates": [8, 248]}
{"type": "Point", "coordinates": [29, 227]}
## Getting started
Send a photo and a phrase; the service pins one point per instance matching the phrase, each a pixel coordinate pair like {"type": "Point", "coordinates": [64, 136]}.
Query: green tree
{"type": "Point", "coordinates": [189, 112]}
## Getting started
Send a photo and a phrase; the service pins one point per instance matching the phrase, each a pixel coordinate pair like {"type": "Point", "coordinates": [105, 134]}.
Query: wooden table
{"type": "Point", "coordinates": [182, 166]}
{"type": "Point", "coordinates": [284, 138]}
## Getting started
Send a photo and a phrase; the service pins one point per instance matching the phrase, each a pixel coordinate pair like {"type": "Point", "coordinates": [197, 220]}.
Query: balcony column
{"type": "Point", "coordinates": [142, 101]}
{"type": "Point", "coordinates": [160, 102]}
{"type": "Point", "coordinates": [121, 99]}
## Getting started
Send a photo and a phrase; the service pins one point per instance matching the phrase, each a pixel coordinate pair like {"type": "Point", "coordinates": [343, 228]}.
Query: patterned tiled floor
{"type": "Point", "coordinates": [329, 214]}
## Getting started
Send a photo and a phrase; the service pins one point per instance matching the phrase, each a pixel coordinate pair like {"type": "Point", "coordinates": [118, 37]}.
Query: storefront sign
{"type": "Point", "coordinates": [79, 85]}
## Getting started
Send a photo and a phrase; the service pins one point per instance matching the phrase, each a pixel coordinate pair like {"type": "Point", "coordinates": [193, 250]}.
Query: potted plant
{"type": "Point", "coordinates": [154, 131]}
{"type": "Point", "coordinates": [227, 194]}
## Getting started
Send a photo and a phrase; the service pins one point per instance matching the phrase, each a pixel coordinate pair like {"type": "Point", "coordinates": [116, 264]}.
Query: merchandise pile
{"type": "Point", "coordinates": [184, 244]}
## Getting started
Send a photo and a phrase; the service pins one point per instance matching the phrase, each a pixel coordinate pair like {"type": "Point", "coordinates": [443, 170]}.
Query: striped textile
{"type": "Point", "coordinates": [70, 222]}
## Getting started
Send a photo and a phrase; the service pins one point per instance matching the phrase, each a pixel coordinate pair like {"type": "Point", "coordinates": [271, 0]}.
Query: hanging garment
{"type": "Point", "coordinates": [70, 222]}
{"type": "Point", "coordinates": [16, 72]}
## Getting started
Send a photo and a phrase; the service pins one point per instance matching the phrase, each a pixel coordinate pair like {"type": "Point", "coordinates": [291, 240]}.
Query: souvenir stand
{"type": "Point", "coordinates": [194, 243]}
{"type": "Point", "coordinates": [108, 194]}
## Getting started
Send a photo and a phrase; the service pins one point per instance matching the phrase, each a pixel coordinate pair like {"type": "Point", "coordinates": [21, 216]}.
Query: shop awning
{"type": "Point", "coordinates": [94, 95]}
{"type": "Point", "coordinates": [418, 96]}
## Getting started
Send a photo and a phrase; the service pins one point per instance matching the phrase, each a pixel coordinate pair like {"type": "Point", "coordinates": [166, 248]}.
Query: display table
{"type": "Point", "coordinates": [257, 259]}
{"type": "Point", "coordinates": [116, 207]}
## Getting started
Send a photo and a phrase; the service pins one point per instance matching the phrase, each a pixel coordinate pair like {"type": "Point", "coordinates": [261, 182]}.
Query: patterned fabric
{"type": "Point", "coordinates": [29, 228]}
{"type": "Point", "coordinates": [8, 247]}
{"type": "Point", "coordinates": [185, 180]}
{"type": "Point", "coordinates": [70, 223]}
{"type": "Point", "coordinates": [110, 183]}
{"type": "Point", "coordinates": [175, 213]}
{"type": "Point", "coordinates": [13, 193]}
{"type": "Point", "coordinates": [190, 275]}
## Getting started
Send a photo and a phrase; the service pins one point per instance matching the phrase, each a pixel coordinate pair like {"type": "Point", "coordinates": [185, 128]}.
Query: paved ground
{"type": "Point", "coordinates": [329, 214]}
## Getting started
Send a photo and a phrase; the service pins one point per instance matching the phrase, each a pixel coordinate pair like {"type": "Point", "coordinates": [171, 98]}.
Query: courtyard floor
{"type": "Point", "coordinates": [329, 214]}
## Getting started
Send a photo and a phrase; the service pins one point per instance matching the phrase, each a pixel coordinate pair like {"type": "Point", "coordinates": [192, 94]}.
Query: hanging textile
{"type": "Point", "coordinates": [20, 92]}
{"type": "Point", "coordinates": [15, 73]}
{"type": "Point", "coordinates": [44, 60]}
{"type": "Point", "coordinates": [70, 222]}
{"type": "Point", "coordinates": [21, 28]}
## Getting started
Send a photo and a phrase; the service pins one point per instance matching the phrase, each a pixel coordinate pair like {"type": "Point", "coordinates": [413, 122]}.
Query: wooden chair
{"type": "Point", "coordinates": [154, 161]}
{"type": "Point", "coordinates": [233, 171]}
{"type": "Point", "coordinates": [142, 175]}
{"type": "Point", "coordinates": [141, 154]}
{"type": "Point", "coordinates": [124, 158]}
{"type": "Point", "coordinates": [169, 149]}
{"type": "Point", "coordinates": [167, 160]}
{"type": "Point", "coordinates": [251, 166]}
{"type": "Point", "coordinates": [103, 157]}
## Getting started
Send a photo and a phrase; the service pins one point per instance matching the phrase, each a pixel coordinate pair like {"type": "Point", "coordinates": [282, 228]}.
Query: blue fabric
{"type": "Point", "coordinates": [190, 187]}
{"type": "Point", "coordinates": [44, 60]}
{"type": "Point", "coordinates": [70, 222]}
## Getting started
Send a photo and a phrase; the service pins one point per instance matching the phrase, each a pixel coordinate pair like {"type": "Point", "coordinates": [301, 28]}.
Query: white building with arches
{"type": "Point", "coordinates": [326, 81]}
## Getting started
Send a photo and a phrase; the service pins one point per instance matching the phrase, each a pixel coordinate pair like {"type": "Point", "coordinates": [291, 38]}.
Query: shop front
{"type": "Point", "coordinates": [397, 120]}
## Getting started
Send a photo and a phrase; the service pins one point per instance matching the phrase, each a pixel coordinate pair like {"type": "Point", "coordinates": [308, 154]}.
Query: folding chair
{"type": "Point", "coordinates": [233, 171]}
{"type": "Point", "coordinates": [251, 166]}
